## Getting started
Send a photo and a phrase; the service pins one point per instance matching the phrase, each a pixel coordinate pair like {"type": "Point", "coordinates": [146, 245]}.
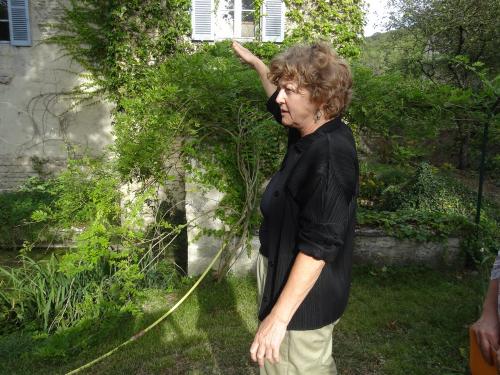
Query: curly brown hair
{"type": "Point", "coordinates": [318, 69]}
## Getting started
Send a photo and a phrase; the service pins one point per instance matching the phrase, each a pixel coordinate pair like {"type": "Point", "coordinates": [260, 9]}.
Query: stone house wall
{"type": "Point", "coordinates": [36, 128]}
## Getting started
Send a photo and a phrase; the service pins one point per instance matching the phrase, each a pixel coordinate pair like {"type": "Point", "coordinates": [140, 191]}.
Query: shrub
{"type": "Point", "coordinates": [17, 207]}
{"type": "Point", "coordinates": [105, 265]}
{"type": "Point", "coordinates": [427, 205]}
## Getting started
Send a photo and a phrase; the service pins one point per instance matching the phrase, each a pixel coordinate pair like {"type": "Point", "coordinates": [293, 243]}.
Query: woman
{"type": "Point", "coordinates": [304, 265]}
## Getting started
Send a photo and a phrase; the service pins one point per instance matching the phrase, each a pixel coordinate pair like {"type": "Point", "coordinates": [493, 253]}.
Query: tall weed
{"type": "Point", "coordinates": [37, 295]}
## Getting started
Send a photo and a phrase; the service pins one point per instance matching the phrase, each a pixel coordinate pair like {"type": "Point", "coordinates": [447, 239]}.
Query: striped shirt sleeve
{"type": "Point", "coordinates": [495, 271]}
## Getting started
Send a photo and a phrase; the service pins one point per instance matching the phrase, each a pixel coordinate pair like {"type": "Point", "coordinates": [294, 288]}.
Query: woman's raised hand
{"type": "Point", "coordinates": [244, 54]}
{"type": "Point", "coordinates": [249, 58]}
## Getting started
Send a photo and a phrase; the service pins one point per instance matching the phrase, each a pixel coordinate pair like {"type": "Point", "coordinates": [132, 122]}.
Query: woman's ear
{"type": "Point", "coordinates": [318, 114]}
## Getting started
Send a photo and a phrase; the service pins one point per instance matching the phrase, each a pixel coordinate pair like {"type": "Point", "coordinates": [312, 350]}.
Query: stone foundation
{"type": "Point", "coordinates": [15, 170]}
{"type": "Point", "coordinates": [374, 246]}
{"type": "Point", "coordinates": [371, 246]}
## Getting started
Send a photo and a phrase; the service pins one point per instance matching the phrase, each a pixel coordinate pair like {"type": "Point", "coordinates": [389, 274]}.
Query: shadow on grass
{"type": "Point", "coordinates": [399, 321]}
{"type": "Point", "coordinates": [27, 353]}
{"type": "Point", "coordinates": [229, 341]}
{"type": "Point", "coordinates": [206, 335]}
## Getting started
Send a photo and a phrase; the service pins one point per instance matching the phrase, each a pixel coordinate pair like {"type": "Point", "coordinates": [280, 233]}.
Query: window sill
{"type": "Point", "coordinates": [237, 39]}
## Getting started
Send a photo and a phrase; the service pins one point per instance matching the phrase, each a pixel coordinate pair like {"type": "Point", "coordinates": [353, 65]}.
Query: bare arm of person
{"type": "Point", "coordinates": [266, 344]}
{"type": "Point", "coordinates": [257, 64]}
{"type": "Point", "coordinates": [487, 327]}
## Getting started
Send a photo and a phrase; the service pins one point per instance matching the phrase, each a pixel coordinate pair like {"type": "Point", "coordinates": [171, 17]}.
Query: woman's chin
{"type": "Point", "coordinates": [290, 124]}
{"type": "Point", "coordinates": [286, 121]}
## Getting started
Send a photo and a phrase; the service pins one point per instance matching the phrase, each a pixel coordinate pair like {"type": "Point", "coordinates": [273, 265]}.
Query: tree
{"type": "Point", "coordinates": [116, 41]}
{"type": "Point", "coordinates": [444, 33]}
{"type": "Point", "coordinates": [445, 29]}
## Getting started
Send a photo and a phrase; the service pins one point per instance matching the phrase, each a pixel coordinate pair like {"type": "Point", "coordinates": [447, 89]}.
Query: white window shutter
{"type": "Point", "coordinates": [202, 20]}
{"type": "Point", "coordinates": [273, 21]}
{"type": "Point", "coordinates": [19, 23]}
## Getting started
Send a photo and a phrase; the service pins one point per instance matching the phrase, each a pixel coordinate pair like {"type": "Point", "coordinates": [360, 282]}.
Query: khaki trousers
{"type": "Point", "coordinates": [301, 352]}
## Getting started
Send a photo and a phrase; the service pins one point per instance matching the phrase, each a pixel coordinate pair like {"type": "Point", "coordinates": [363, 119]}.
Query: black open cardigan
{"type": "Point", "coordinates": [312, 209]}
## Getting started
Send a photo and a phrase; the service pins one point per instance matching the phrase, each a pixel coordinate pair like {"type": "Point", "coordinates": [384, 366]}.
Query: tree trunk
{"type": "Point", "coordinates": [464, 143]}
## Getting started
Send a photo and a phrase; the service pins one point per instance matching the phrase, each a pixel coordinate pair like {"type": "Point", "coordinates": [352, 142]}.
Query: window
{"type": "Point", "coordinates": [236, 19]}
{"type": "Point", "coordinates": [4, 22]}
{"type": "Point", "coordinates": [247, 19]}
{"type": "Point", "coordinates": [14, 22]}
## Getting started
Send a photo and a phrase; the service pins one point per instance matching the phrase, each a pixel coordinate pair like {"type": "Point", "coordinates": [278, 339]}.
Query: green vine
{"type": "Point", "coordinates": [257, 5]}
{"type": "Point", "coordinates": [339, 22]}
{"type": "Point", "coordinates": [116, 41]}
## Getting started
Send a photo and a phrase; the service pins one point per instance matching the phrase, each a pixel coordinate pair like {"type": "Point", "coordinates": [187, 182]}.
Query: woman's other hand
{"type": "Point", "coordinates": [267, 341]}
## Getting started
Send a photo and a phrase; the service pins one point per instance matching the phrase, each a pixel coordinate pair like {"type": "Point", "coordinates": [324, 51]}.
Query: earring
{"type": "Point", "coordinates": [317, 115]}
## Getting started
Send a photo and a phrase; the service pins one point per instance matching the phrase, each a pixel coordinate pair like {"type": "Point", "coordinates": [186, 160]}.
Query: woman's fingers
{"type": "Point", "coordinates": [244, 54]}
{"type": "Point", "coordinates": [261, 355]}
{"type": "Point", "coordinates": [267, 341]}
{"type": "Point", "coordinates": [258, 352]}
{"type": "Point", "coordinates": [253, 350]}
{"type": "Point", "coordinates": [269, 353]}
{"type": "Point", "coordinates": [276, 354]}
{"type": "Point", "coordinates": [486, 330]}
{"type": "Point", "coordinates": [236, 48]}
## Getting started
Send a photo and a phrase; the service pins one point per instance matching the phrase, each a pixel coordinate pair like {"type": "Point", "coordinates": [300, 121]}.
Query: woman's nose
{"type": "Point", "coordinates": [281, 97]}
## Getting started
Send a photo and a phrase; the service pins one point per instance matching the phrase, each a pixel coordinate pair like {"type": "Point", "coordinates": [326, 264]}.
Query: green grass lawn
{"type": "Point", "coordinates": [402, 321]}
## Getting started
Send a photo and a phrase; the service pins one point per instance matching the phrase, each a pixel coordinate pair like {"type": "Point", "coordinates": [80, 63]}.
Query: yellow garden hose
{"type": "Point", "coordinates": [142, 332]}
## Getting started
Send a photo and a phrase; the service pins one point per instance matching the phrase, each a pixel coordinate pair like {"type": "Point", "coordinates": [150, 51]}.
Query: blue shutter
{"type": "Point", "coordinates": [202, 15]}
{"type": "Point", "coordinates": [19, 23]}
{"type": "Point", "coordinates": [273, 21]}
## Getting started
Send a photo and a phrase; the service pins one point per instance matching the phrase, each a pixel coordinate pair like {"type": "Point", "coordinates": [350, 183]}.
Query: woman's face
{"type": "Point", "coordinates": [297, 110]}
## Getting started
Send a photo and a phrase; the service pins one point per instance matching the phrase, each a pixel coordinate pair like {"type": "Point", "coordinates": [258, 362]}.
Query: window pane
{"type": "Point", "coordinates": [225, 25]}
{"type": "Point", "coordinates": [247, 5]}
{"type": "Point", "coordinates": [226, 5]}
{"type": "Point", "coordinates": [247, 24]}
{"type": "Point", "coordinates": [3, 10]}
{"type": "Point", "coordinates": [4, 31]}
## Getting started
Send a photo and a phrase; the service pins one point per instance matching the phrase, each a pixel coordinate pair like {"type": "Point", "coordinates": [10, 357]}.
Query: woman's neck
{"type": "Point", "coordinates": [313, 126]}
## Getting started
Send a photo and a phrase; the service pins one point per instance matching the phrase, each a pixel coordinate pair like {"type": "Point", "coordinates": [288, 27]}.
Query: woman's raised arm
{"type": "Point", "coordinates": [257, 64]}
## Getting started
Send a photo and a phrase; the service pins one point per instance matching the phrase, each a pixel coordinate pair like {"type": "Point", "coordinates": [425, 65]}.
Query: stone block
{"type": "Point", "coordinates": [5, 80]}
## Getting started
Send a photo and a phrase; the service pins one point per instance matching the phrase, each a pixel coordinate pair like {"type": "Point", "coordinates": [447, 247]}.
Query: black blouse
{"type": "Point", "coordinates": [310, 206]}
